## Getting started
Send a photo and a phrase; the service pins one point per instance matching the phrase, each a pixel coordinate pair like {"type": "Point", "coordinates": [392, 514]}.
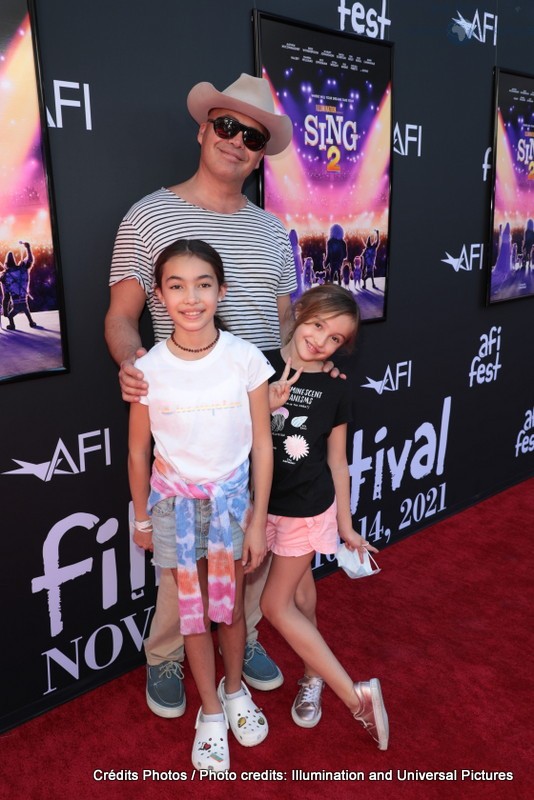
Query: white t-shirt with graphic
{"type": "Point", "coordinates": [199, 410]}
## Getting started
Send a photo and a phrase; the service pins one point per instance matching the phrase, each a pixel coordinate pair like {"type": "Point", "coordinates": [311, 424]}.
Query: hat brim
{"type": "Point", "coordinates": [204, 96]}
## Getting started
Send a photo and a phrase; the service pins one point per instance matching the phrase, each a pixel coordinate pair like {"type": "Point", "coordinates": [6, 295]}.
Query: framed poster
{"type": "Point", "coordinates": [511, 267]}
{"type": "Point", "coordinates": [331, 187]}
{"type": "Point", "coordinates": [32, 330]}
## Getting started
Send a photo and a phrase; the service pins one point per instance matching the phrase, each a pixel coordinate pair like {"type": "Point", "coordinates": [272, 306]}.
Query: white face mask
{"type": "Point", "coordinates": [349, 561]}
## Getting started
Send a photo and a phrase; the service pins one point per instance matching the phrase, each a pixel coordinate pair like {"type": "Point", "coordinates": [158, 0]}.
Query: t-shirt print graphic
{"type": "Point", "coordinates": [278, 419]}
{"type": "Point", "coordinates": [296, 446]}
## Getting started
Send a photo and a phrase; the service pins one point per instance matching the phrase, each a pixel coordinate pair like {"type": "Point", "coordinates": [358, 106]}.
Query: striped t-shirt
{"type": "Point", "coordinates": [253, 244]}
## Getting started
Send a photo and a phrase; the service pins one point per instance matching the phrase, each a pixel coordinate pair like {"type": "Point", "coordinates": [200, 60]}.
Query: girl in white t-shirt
{"type": "Point", "coordinates": [207, 410]}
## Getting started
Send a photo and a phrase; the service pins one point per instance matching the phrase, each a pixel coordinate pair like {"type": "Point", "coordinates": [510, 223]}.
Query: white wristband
{"type": "Point", "coordinates": [145, 525]}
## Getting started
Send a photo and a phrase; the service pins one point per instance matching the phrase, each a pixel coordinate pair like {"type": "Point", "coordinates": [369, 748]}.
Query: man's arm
{"type": "Point", "coordinates": [122, 335]}
{"type": "Point", "coordinates": [30, 258]}
{"type": "Point", "coordinates": [285, 316]}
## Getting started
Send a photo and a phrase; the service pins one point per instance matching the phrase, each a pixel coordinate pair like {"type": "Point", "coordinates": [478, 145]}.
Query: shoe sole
{"type": "Point", "coordinates": [167, 712]}
{"type": "Point", "coordinates": [380, 714]}
{"type": "Point", "coordinates": [264, 686]}
{"type": "Point", "coordinates": [304, 723]}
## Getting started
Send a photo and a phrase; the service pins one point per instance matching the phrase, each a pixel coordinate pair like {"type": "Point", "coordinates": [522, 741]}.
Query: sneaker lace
{"type": "Point", "coordinates": [251, 649]}
{"type": "Point", "coordinates": [169, 668]}
{"type": "Point", "coordinates": [310, 692]}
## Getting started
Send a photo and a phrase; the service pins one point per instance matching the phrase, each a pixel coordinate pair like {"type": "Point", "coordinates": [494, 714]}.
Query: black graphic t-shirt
{"type": "Point", "coordinates": [302, 482]}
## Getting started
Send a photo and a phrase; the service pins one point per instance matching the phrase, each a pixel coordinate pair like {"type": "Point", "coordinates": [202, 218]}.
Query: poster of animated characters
{"type": "Point", "coordinates": [512, 246]}
{"type": "Point", "coordinates": [331, 186]}
{"type": "Point", "coordinates": [31, 329]}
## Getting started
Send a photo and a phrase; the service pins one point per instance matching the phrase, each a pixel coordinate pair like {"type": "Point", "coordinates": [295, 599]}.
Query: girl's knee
{"type": "Point", "coordinates": [238, 616]}
{"type": "Point", "coordinates": [270, 609]}
{"type": "Point", "coordinates": [265, 606]}
{"type": "Point", "coordinates": [305, 603]}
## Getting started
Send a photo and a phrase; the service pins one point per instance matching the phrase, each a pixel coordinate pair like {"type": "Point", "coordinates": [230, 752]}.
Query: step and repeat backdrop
{"type": "Point", "coordinates": [442, 374]}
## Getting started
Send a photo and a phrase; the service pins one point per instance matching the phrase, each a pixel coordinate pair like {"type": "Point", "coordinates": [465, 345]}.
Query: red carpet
{"type": "Point", "coordinates": [446, 626]}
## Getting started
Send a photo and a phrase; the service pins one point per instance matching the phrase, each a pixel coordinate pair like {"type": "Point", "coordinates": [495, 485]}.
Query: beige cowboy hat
{"type": "Point", "coordinates": [250, 96]}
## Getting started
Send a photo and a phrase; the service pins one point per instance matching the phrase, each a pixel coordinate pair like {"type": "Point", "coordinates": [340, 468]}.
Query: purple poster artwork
{"type": "Point", "coordinates": [31, 341]}
{"type": "Point", "coordinates": [512, 246]}
{"type": "Point", "coordinates": [331, 186]}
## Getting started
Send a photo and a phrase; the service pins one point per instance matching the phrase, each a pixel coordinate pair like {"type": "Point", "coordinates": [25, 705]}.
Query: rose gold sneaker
{"type": "Point", "coordinates": [306, 710]}
{"type": "Point", "coordinates": [372, 712]}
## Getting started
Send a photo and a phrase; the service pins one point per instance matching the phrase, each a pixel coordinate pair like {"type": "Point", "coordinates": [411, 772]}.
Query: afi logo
{"type": "Point", "coordinates": [482, 369]}
{"type": "Point", "coordinates": [478, 28]}
{"type": "Point", "coordinates": [365, 22]}
{"type": "Point", "coordinates": [525, 438]}
{"type": "Point", "coordinates": [80, 99]}
{"type": "Point", "coordinates": [469, 256]}
{"type": "Point", "coordinates": [62, 461]}
{"type": "Point", "coordinates": [405, 140]}
{"type": "Point", "coordinates": [392, 380]}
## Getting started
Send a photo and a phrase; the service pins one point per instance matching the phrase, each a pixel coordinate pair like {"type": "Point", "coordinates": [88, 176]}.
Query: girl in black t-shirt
{"type": "Point", "coordinates": [310, 500]}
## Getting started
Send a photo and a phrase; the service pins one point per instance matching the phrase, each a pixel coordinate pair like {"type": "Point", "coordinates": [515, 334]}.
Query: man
{"type": "Point", "coordinates": [237, 127]}
{"type": "Point", "coordinates": [16, 280]}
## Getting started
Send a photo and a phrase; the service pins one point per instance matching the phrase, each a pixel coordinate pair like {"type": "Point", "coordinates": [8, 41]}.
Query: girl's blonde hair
{"type": "Point", "coordinates": [327, 300]}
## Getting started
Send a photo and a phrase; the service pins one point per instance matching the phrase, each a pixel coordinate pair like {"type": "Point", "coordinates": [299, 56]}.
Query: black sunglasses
{"type": "Point", "coordinates": [228, 127]}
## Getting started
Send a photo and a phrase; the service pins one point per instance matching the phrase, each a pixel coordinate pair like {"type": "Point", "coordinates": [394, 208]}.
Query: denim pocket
{"type": "Point", "coordinates": [164, 507]}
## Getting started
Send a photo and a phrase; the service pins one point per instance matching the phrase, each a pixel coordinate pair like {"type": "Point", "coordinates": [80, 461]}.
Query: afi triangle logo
{"type": "Point", "coordinates": [482, 28]}
{"type": "Point", "coordinates": [393, 378]}
{"type": "Point", "coordinates": [62, 462]}
{"type": "Point", "coordinates": [470, 256]}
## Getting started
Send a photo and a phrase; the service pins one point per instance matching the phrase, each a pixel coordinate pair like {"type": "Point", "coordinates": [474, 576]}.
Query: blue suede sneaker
{"type": "Point", "coordinates": [165, 693]}
{"type": "Point", "coordinates": [259, 670]}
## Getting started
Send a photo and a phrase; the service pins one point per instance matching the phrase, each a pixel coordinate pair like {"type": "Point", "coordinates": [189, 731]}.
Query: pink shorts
{"type": "Point", "coordinates": [296, 536]}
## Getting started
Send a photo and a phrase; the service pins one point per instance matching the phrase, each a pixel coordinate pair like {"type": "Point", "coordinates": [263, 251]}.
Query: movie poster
{"type": "Point", "coordinates": [31, 328]}
{"type": "Point", "coordinates": [331, 186]}
{"type": "Point", "coordinates": [512, 246]}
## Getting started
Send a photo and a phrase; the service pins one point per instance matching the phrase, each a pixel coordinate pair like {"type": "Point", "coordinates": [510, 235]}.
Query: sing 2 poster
{"type": "Point", "coordinates": [331, 187]}
{"type": "Point", "coordinates": [512, 230]}
{"type": "Point", "coordinates": [32, 329]}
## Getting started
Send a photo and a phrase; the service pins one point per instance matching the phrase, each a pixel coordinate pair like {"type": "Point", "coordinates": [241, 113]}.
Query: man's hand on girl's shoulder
{"type": "Point", "coordinates": [131, 379]}
{"type": "Point", "coordinates": [333, 371]}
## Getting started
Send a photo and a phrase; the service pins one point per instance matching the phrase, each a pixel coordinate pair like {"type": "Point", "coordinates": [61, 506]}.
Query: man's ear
{"type": "Point", "coordinates": [200, 134]}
